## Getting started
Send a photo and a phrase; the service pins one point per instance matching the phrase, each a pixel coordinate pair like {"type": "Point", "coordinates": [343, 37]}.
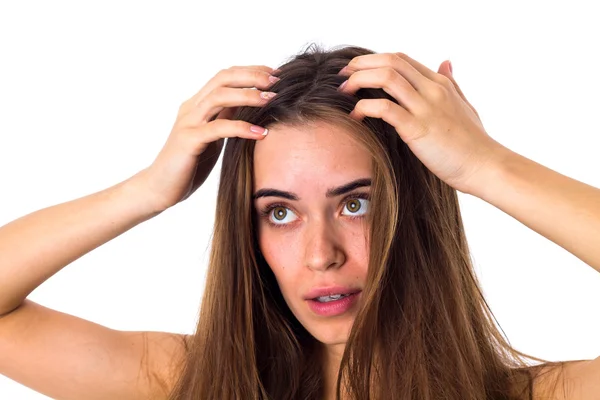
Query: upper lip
{"type": "Point", "coordinates": [329, 290]}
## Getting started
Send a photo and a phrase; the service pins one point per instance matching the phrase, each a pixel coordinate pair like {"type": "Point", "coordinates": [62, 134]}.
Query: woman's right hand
{"type": "Point", "coordinates": [196, 140]}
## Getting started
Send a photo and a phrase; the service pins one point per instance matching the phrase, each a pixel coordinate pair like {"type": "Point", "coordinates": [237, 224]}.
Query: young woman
{"type": "Point", "coordinates": [339, 265]}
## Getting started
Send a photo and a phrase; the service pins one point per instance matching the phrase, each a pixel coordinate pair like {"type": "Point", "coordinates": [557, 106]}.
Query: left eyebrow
{"type": "Point", "coordinates": [331, 192]}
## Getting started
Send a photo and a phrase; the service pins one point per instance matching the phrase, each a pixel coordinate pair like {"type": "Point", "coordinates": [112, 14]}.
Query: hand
{"type": "Point", "coordinates": [433, 117]}
{"type": "Point", "coordinates": [196, 140]}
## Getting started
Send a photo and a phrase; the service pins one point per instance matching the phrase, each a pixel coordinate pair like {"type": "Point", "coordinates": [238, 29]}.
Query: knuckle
{"type": "Point", "coordinates": [260, 75]}
{"type": "Point", "coordinates": [217, 93]}
{"type": "Point", "coordinates": [353, 62]}
{"type": "Point", "coordinates": [389, 73]}
{"type": "Point", "coordinates": [391, 58]}
{"type": "Point", "coordinates": [438, 92]}
{"type": "Point", "coordinates": [385, 105]}
{"type": "Point", "coordinates": [217, 125]}
{"type": "Point", "coordinates": [361, 104]}
{"type": "Point", "coordinates": [444, 80]}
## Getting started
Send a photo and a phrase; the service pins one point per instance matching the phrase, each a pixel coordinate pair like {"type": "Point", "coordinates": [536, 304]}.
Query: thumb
{"type": "Point", "coordinates": [446, 70]}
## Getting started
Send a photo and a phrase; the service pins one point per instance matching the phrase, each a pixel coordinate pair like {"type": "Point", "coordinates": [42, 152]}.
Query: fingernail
{"type": "Point", "coordinates": [450, 66]}
{"type": "Point", "coordinates": [259, 129]}
{"type": "Point", "coordinates": [267, 95]}
{"type": "Point", "coordinates": [273, 79]}
{"type": "Point", "coordinates": [343, 85]}
{"type": "Point", "coordinates": [343, 71]}
{"type": "Point", "coordinates": [276, 71]}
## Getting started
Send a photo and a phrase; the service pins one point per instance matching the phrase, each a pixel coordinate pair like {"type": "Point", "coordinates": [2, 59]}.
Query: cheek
{"type": "Point", "coordinates": [356, 240]}
{"type": "Point", "coordinates": [282, 254]}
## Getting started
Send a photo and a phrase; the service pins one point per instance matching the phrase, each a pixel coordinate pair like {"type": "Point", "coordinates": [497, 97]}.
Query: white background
{"type": "Point", "coordinates": [89, 92]}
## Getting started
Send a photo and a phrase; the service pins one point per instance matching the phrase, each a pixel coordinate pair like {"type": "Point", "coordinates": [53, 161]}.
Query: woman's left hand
{"type": "Point", "coordinates": [434, 118]}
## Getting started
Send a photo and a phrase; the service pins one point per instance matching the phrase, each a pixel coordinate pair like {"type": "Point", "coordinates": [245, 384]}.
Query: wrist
{"type": "Point", "coordinates": [136, 189]}
{"type": "Point", "coordinates": [492, 174]}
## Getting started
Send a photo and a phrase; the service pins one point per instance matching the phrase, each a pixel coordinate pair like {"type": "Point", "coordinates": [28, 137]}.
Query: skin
{"type": "Point", "coordinates": [321, 241]}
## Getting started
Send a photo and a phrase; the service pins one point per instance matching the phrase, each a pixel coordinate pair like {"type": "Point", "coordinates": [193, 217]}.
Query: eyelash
{"type": "Point", "coordinates": [265, 212]}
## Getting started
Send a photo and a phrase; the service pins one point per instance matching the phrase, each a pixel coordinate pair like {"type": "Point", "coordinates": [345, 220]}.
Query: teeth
{"type": "Point", "coordinates": [333, 297]}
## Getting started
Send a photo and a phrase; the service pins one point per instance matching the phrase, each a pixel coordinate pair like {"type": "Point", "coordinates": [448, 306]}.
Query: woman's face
{"type": "Point", "coordinates": [311, 194]}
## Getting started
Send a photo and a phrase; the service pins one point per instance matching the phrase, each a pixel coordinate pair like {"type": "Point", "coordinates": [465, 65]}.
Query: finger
{"type": "Point", "coordinates": [431, 75]}
{"type": "Point", "coordinates": [225, 128]}
{"type": "Point", "coordinates": [221, 98]}
{"type": "Point", "coordinates": [391, 81]}
{"type": "Point", "coordinates": [237, 77]}
{"type": "Point", "coordinates": [389, 111]}
{"type": "Point", "coordinates": [258, 67]}
{"type": "Point", "coordinates": [381, 60]}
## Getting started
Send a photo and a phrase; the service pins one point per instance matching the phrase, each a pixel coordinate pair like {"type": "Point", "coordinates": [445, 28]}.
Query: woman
{"type": "Point", "coordinates": [339, 266]}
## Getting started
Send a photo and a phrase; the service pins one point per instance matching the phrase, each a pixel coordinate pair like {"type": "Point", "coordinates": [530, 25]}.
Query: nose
{"type": "Point", "coordinates": [323, 246]}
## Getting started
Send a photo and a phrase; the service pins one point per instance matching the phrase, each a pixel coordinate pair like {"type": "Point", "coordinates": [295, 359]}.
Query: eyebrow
{"type": "Point", "coordinates": [331, 192]}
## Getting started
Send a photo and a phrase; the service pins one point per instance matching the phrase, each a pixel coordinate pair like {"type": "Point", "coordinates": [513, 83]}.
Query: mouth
{"type": "Point", "coordinates": [333, 305]}
{"type": "Point", "coordinates": [325, 293]}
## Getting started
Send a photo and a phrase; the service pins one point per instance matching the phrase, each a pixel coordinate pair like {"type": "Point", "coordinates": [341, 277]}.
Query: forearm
{"type": "Point", "coordinates": [560, 208]}
{"type": "Point", "coordinates": [38, 245]}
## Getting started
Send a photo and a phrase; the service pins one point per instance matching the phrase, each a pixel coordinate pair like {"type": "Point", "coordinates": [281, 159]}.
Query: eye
{"type": "Point", "coordinates": [278, 215]}
{"type": "Point", "coordinates": [357, 206]}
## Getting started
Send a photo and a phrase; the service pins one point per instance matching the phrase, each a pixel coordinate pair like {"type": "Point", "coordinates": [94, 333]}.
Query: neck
{"type": "Point", "coordinates": [332, 358]}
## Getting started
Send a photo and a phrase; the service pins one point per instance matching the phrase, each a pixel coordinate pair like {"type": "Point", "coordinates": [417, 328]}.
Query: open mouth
{"type": "Point", "coordinates": [333, 305]}
{"type": "Point", "coordinates": [327, 299]}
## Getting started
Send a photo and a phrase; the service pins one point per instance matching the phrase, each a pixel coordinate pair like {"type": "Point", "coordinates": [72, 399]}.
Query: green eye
{"type": "Point", "coordinates": [357, 206]}
{"type": "Point", "coordinates": [279, 213]}
{"type": "Point", "coordinates": [353, 205]}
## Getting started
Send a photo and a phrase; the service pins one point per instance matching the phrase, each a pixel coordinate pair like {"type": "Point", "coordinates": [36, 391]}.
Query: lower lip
{"type": "Point", "coordinates": [333, 308]}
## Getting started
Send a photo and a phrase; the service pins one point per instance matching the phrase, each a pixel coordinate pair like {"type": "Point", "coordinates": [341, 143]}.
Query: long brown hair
{"type": "Point", "coordinates": [424, 329]}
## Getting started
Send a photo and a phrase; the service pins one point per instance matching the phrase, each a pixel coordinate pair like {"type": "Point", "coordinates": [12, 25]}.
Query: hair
{"type": "Point", "coordinates": [423, 330]}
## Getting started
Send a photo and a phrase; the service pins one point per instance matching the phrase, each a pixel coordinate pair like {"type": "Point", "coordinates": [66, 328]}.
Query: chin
{"type": "Point", "coordinates": [330, 331]}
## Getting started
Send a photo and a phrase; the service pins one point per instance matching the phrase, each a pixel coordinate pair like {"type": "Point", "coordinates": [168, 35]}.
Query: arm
{"type": "Point", "coordinates": [560, 208]}
{"type": "Point", "coordinates": [67, 357]}
{"type": "Point", "coordinates": [61, 355]}
{"type": "Point", "coordinates": [38, 245]}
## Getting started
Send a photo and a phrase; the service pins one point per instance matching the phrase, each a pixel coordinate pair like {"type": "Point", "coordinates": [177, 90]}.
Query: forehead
{"type": "Point", "coordinates": [314, 155]}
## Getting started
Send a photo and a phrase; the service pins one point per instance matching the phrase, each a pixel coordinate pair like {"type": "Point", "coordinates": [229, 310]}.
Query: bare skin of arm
{"type": "Point", "coordinates": [66, 357]}
{"type": "Point", "coordinates": [60, 355]}
{"type": "Point", "coordinates": [566, 212]}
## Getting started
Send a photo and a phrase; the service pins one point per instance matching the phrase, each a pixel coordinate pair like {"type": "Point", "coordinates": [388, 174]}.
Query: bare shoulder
{"type": "Point", "coordinates": [574, 380]}
{"type": "Point", "coordinates": [66, 357]}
